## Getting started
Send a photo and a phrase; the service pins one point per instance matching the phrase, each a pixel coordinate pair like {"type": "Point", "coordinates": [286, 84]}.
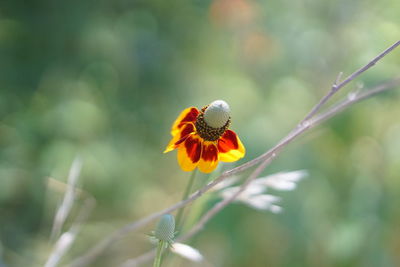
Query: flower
{"type": "Point", "coordinates": [203, 138]}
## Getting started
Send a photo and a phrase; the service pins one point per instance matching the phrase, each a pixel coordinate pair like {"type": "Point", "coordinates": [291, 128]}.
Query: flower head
{"type": "Point", "coordinates": [203, 139]}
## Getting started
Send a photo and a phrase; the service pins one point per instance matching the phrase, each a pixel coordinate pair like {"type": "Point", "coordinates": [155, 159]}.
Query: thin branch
{"type": "Point", "coordinates": [354, 99]}
{"type": "Point", "coordinates": [66, 239]}
{"type": "Point", "coordinates": [310, 124]}
{"type": "Point", "coordinates": [314, 110]}
{"type": "Point", "coordinates": [336, 86]}
{"type": "Point", "coordinates": [119, 234]}
{"type": "Point", "coordinates": [69, 196]}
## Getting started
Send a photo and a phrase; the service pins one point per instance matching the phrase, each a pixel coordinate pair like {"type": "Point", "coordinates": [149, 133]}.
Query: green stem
{"type": "Point", "coordinates": [185, 195]}
{"type": "Point", "coordinates": [157, 260]}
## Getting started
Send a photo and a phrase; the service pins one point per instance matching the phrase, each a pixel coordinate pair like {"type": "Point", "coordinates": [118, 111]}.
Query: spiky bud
{"type": "Point", "coordinates": [165, 229]}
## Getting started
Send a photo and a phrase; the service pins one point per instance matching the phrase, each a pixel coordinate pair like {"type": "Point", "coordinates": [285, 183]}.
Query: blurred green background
{"type": "Point", "coordinates": [105, 80]}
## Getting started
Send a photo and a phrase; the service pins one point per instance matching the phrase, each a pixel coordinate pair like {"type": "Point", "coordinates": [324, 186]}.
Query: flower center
{"type": "Point", "coordinates": [207, 132]}
{"type": "Point", "coordinates": [217, 114]}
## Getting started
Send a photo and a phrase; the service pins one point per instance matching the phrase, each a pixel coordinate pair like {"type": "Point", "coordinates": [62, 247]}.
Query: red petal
{"type": "Point", "coordinates": [193, 148]}
{"type": "Point", "coordinates": [188, 129]}
{"type": "Point", "coordinates": [191, 116]}
{"type": "Point", "coordinates": [209, 157]}
{"type": "Point", "coordinates": [186, 116]}
{"type": "Point", "coordinates": [210, 153]}
{"type": "Point", "coordinates": [228, 142]}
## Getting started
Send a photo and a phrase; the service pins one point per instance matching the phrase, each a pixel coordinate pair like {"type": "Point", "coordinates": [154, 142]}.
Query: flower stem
{"type": "Point", "coordinates": [157, 259]}
{"type": "Point", "coordinates": [185, 195]}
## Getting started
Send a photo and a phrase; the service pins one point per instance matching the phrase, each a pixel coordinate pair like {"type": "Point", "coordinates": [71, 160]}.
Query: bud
{"type": "Point", "coordinates": [165, 229]}
{"type": "Point", "coordinates": [217, 114]}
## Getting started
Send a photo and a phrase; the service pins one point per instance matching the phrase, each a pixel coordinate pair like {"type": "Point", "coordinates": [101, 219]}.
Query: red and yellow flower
{"type": "Point", "coordinates": [203, 139]}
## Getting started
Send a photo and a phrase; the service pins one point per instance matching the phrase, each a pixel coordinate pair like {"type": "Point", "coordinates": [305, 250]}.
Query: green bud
{"type": "Point", "coordinates": [165, 229]}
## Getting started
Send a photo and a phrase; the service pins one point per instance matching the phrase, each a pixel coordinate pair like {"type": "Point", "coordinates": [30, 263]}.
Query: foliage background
{"type": "Point", "coordinates": [105, 79]}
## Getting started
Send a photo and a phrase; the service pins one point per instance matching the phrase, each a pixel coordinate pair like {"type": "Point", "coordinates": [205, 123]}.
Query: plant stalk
{"type": "Point", "coordinates": [157, 259]}
{"type": "Point", "coordinates": [188, 190]}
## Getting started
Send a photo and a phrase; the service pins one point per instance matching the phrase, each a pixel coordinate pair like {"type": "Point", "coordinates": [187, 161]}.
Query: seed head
{"type": "Point", "coordinates": [217, 114]}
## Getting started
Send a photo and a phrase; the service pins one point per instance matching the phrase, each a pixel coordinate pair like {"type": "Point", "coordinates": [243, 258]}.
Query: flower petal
{"type": "Point", "coordinates": [262, 202]}
{"type": "Point", "coordinates": [189, 152]}
{"type": "Point", "coordinates": [187, 115]}
{"type": "Point", "coordinates": [230, 147]}
{"type": "Point", "coordinates": [181, 136]}
{"type": "Point", "coordinates": [282, 181]}
{"type": "Point", "coordinates": [209, 157]}
{"type": "Point", "coordinates": [187, 252]}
